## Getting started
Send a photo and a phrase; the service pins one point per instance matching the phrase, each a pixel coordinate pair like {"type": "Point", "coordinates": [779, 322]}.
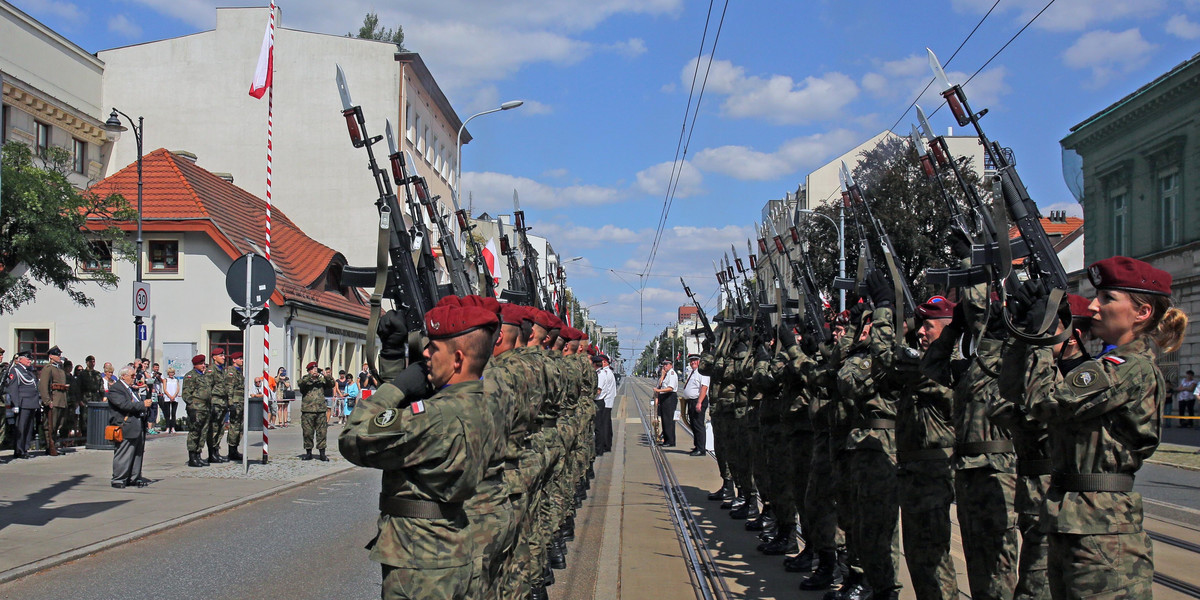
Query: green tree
{"type": "Point", "coordinates": [371, 30]}
{"type": "Point", "coordinates": [47, 228]}
{"type": "Point", "coordinates": [911, 209]}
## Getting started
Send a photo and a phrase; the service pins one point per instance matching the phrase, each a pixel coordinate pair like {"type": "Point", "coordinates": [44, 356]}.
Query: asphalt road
{"type": "Point", "coordinates": [305, 543]}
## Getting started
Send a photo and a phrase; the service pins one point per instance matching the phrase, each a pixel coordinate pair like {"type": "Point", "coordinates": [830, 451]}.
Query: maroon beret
{"type": "Point", "coordinates": [556, 323]}
{"type": "Point", "coordinates": [198, 360]}
{"type": "Point", "coordinates": [572, 334]}
{"type": "Point", "coordinates": [452, 318]}
{"type": "Point", "coordinates": [937, 307]}
{"type": "Point", "coordinates": [542, 318]}
{"type": "Point", "coordinates": [486, 303]}
{"type": "Point", "coordinates": [1130, 275]}
{"type": "Point", "coordinates": [512, 314]}
{"type": "Point", "coordinates": [235, 356]}
{"type": "Point", "coordinates": [1079, 306]}
{"type": "Point", "coordinates": [310, 366]}
{"type": "Point", "coordinates": [218, 351]}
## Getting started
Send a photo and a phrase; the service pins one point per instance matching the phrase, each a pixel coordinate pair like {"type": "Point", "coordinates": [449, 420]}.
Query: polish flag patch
{"type": "Point", "coordinates": [417, 407]}
{"type": "Point", "coordinates": [1116, 360]}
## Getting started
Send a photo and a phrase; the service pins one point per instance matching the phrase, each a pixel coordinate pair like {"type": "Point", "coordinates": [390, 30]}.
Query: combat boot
{"type": "Point", "coordinates": [723, 493]}
{"type": "Point", "coordinates": [321, 455]}
{"type": "Point", "coordinates": [761, 522]}
{"type": "Point", "coordinates": [215, 457]}
{"type": "Point", "coordinates": [562, 544]}
{"type": "Point", "coordinates": [234, 455]}
{"type": "Point", "coordinates": [827, 574]}
{"type": "Point", "coordinates": [568, 529]}
{"type": "Point", "coordinates": [856, 588]}
{"type": "Point", "coordinates": [539, 593]}
{"type": "Point", "coordinates": [194, 460]}
{"type": "Point", "coordinates": [557, 560]}
{"type": "Point", "coordinates": [801, 563]}
{"type": "Point", "coordinates": [547, 576]}
{"type": "Point", "coordinates": [784, 542]}
{"type": "Point", "coordinates": [748, 510]}
{"type": "Point", "coordinates": [307, 454]}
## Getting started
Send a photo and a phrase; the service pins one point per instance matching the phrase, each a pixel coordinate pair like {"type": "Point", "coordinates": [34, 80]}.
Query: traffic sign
{"type": "Point", "coordinates": [257, 316]}
{"type": "Point", "coordinates": [141, 332]}
{"type": "Point", "coordinates": [262, 280]}
{"type": "Point", "coordinates": [141, 299]}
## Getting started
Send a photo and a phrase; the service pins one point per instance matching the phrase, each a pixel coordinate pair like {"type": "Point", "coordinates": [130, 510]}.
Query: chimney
{"type": "Point", "coordinates": [226, 176]}
{"type": "Point", "coordinates": [184, 154]}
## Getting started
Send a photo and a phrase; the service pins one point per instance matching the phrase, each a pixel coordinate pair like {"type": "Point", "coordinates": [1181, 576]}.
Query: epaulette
{"type": "Point", "coordinates": [1116, 360]}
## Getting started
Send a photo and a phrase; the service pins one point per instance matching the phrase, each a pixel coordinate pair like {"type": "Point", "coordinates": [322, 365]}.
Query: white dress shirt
{"type": "Point", "coordinates": [692, 384]}
{"type": "Point", "coordinates": [607, 382]}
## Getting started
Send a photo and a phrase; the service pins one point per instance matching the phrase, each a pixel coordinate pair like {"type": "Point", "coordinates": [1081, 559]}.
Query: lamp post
{"type": "Point", "coordinates": [114, 128]}
{"type": "Point", "coordinates": [511, 104]}
{"type": "Point", "coordinates": [840, 226]}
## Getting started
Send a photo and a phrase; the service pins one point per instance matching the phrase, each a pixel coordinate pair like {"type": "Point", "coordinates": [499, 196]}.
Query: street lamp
{"type": "Point", "coordinates": [841, 246]}
{"type": "Point", "coordinates": [114, 128]}
{"type": "Point", "coordinates": [511, 104]}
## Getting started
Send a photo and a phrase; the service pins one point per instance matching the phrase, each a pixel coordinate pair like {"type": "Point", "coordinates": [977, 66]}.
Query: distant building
{"type": "Point", "coordinates": [1141, 188]}
{"type": "Point", "coordinates": [1066, 234]}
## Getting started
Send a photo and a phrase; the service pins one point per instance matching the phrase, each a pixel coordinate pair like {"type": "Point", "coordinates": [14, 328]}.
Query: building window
{"type": "Point", "coordinates": [79, 151]}
{"type": "Point", "coordinates": [3, 124]}
{"type": "Point", "coordinates": [101, 259]}
{"type": "Point", "coordinates": [164, 256]}
{"type": "Point", "coordinates": [1168, 207]}
{"type": "Point", "coordinates": [1119, 199]}
{"type": "Point", "coordinates": [410, 128]}
{"type": "Point", "coordinates": [436, 160]}
{"type": "Point", "coordinates": [36, 341]}
{"type": "Point", "coordinates": [420, 142]}
{"type": "Point", "coordinates": [42, 138]}
{"type": "Point", "coordinates": [425, 147]}
{"type": "Point", "coordinates": [229, 341]}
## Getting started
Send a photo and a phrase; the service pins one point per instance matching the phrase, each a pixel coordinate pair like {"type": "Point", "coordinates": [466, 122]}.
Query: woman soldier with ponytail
{"type": "Point", "coordinates": [1104, 419]}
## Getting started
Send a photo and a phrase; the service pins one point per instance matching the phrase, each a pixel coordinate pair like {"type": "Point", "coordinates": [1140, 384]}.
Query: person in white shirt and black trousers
{"type": "Point", "coordinates": [695, 398]}
{"type": "Point", "coordinates": [667, 401]}
{"type": "Point", "coordinates": [606, 394]}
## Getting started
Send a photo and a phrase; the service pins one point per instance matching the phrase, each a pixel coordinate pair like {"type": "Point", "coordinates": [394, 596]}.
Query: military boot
{"type": "Point", "coordinates": [568, 529]}
{"type": "Point", "coordinates": [307, 454]}
{"type": "Point", "coordinates": [723, 493]}
{"type": "Point", "coordinates": [748, 510]}
{"type": "Point", "coordinates": [539, 593]}
{"type": "Point", "coordinates": [234, 455]}
{"type": "Point", "coordinates": [215, 457]}
{"type": "Point", "coordinates": [855, 587]}
{"type": "Point", "coordinates": [194, 460]}
{"type": "Point", "coordinates": [784, 542]}
{"type": "Point", "coordinates": [761, 522]}
{"type": "Point", "coordinates": [321, 455]}
{"type": "Point", "coordinates": [547, 575]}
{"type": "Point", "coordinates": [801, 563]}
{"type": "Point", "coordinates": [557, 560]}
{"type": "Point", "coordinates": [827, 574]}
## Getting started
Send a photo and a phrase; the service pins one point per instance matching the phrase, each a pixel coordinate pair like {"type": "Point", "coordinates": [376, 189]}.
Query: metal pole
{"type": "Point", "coordinates": [246, 372]}
{"type": "Point", "coordinates": [842, 253]}
{"type": "Point", "coordinates": [137, 321]}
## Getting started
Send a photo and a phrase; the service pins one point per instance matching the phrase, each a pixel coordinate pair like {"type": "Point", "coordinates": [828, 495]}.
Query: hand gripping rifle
{"type": "Point", "coordinates": [455, 265]}
{"type": "Point", "coordinates": [395, 274]}
{"type": "Point", "coordinates": [1042, 261]}
{"type": "Point", "coordinates": [705, 327]}
{"type": "Point", "coordinates": [902, 291]}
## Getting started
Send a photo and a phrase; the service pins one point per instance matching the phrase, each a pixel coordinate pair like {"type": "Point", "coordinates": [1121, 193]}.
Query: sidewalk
{"type": "Point", "coordinates": [56, 509]}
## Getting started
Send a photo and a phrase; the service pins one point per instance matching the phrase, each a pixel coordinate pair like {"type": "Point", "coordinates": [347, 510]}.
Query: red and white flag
{"type": "Point", "coordinates": [489, 258]}
{"type": "Point", "coordinates": [266, 60]}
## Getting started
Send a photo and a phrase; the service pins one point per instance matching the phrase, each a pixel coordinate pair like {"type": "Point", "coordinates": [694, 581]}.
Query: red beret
{"type": "Point", "coordinates": [570, 333]}
{"type": "Point", "coordinates": [198, 360]}
{"type": "Point", "coordinates": [937, 307]}
{"type": "Point", "coordinates": [512, 314]}
{"type": "Point", "coordinates": [310, 366]}
{"type": "Point", "coordinates": [455, 317]}
{"type": "Point", "coordinates": [1079, 306]}
{"type": "Point", "coordinates": [491, 304]}
{"type": "Point", "coordinates": [542, 318]}
{"type": "Point", "coordinates": [556, 323]}
{"type": "Point", "coordinates": [218, 351]}
{"type": "Point", "coordinates": [1130, 275]}
{"type": "Point", "coordinates": [235, 356]}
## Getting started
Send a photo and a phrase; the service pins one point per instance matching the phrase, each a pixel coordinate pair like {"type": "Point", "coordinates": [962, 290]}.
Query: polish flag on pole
{"type": "Point", "coordinates": [266, 60]}
{"type": "Point", "coordinates": [489, 258]}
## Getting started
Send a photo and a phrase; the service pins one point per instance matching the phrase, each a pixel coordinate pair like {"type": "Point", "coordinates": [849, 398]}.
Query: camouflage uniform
{"type": "Point", "coordinates": [924, 443]}
{"type": "Point", "coordinates": [312, 410]}
{"type": "Point", "coordinates": [548, 444]}
{"type": "Point", "coordinates": [822, 496]}
{"type": "Point", "coordinates": [872, 443]}
{"type": "Point", "coordinates": [737, 371]}
{"type": "Point", "coordinates": [197, 395]}
{"type": "Point", "coordinates": [1104, 420]}
{"type": "Point", "coordinates": [720, 415]}
{"type": "Point", "coordinates": [219, 382]}
{"type": "Point", "coordinates": [236, 384]}
{"type": "Point", "coordinates": [433, 454]}
{"type": "Point", "coordinates": [771, 455]}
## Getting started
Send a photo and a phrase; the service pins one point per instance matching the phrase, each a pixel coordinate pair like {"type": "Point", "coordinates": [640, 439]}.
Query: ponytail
{"type": "Point", "coordinates": [1170, 330]}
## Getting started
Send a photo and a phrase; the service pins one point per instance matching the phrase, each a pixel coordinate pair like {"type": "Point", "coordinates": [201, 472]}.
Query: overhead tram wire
{"type": "Point", "coordinates": [676, 173]}
{"type": "Point", "coordinates": [948, 61]}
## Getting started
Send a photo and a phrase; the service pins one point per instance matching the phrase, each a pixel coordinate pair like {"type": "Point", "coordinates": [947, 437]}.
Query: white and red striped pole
{"type": "Point", "coordinates": [267, 248]}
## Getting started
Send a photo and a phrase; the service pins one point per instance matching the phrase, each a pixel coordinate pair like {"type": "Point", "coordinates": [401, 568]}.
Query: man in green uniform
{"type": "Point", "coordinates": [52, 386]}
{"type": "Point", "coordinates": [432, 450]}
{"type": "Point", "coordinates": [236, 384]}
{"type": "Point", "coordinates": [313, 422]}
{"type": "Point", "coordinates": [219, 383]}
{"type": "Point", "coordinates": [197, 395]}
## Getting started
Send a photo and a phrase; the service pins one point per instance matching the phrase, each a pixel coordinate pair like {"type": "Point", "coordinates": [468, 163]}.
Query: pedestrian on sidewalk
{"type": "Point", "coordinates": [129, 412]}
{"type": "Point", "coordinates": [349, 400]}
{"type": "Point", "coordinates": [667, 401]}
{"type": "Point", "coordinates": [695, 398]}
{"type": "Point", "coordinates": [1186, 398]}
{"type": "Point", "coordinates": [24, 400]}
{"type": "Point", "coordinates": [52, 387]}
{"type": "Point", "coordinates": [169, 393]}
{"type": "Point", "coordinates": [606, 395]}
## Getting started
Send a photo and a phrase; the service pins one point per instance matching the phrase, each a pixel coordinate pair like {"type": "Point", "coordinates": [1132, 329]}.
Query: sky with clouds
{"type": "Point", "coordinates": [789, 86]}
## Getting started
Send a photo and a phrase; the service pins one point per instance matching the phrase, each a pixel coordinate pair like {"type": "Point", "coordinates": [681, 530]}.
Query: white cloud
{"type": "Point", "coordinates": [555, 173]}
{"type": "Point", "coordinates": [1180, 26]}
{"type": "Point", "coordinates": [630, 48]}
{"type": "Point", "coordinates": [903, 79]}
{"type": "Point", "coordinates": [1069, 15]}
{"type": "Point", "coordinates": [577, 236]}
{"type": "Point", "coordinates": [654, 180]}
{"type": "Point", "coordinates": [742, 162]}
{"type": "Point", "coordinates": [1109, 53]}
{"type": "Point", "coordinates": [777, 98]}
{"type": "Point", "coordinates": [64, 10]}
{"type": "Point", "coordinates": [493, 191]}
{"type": "Point", "coordinates": [121, 25]}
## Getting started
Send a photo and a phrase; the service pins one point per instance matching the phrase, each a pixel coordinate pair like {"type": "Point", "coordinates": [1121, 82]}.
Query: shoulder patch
{"type": "Point", "coordinates": [417, 407]}
{"type": "Point", "coordinates": [1116, 360]}
{"type": "Point", "coordinates": [386, 418]}
{"type": "Point", "coordinates": [866, 363]}
{"type": "Point", "coordinates": [1088, 379]}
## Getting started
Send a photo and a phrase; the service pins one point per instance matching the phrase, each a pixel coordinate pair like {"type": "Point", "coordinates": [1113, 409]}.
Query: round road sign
{"type": "Point", "coordinates": [262, 280]}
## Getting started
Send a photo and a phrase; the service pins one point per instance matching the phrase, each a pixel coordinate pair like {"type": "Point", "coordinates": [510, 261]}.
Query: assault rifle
{"type": "Point", "coordinates": [866, 259]}
{"type": "Point", "coordinates": [733, 307]}
{"type": "Point", "coordinates": [812, 315]}
{"type": "Point", "coordinates": [1042, 261]}
{"type": "Point", "coordinates": [705, 327]}
{"type": "Point", "coordinates": [395, 274]}
{"type": "Point", "coordinates": [863, 211]}
{"type": "Point", "coordinates": [530, 268]}
{"type": "Point", "coordinates": [455, 265]}
{"type": "Point", "coordinates": [467, 228]}
{"type": "Point", "coordinates": [516, 292]}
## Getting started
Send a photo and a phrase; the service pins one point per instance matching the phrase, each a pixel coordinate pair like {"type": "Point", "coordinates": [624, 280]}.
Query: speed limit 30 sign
{"type": "Point", "coordinates": [141, 299]}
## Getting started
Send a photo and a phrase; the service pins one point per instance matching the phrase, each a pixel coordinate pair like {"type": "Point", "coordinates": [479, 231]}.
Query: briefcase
{"type": "Point", "coordinates": [113, 434]}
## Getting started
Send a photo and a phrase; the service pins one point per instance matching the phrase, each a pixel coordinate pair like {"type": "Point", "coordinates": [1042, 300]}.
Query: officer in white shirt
{"type": "Point", "coordinates": [695, 399]}
{"type": "Point", "coordinates": [667, 401]}
{"type": "Point", "coordinates": [606, 395]}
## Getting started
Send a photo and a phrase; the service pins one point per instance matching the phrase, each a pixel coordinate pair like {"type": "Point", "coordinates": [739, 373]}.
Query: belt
{"type": "Point", "coordinates": [904, 456]}
{"type": "Point", "coordinates": [418, 509]}
{"type": "Point", "coordinates": [990, 447]}
{"type": "Point", "coordinates": [876, 424]}
{"type": "Point", "coordinates": [1034, 468]}
{"type": "Point", "coordinates": [1092, 482]}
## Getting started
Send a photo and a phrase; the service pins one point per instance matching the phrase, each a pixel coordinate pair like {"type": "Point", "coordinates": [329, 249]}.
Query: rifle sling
{"type": "Point", "coordinates": [1042, 337]}
{"type": "Point", "coordinates": [381, 276]}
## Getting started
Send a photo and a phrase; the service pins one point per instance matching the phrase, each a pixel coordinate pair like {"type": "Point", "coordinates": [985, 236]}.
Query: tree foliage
{"type": "Point", "coordinates": [43, 228]}
{"type": "Point", "coordinates": [911, 209]}
{"type": "Point", "coordinates": [371, 30]}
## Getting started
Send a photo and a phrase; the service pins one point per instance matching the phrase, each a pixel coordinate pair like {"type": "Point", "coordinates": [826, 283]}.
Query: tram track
{"type": "Point", "coordinates": [706, 575]}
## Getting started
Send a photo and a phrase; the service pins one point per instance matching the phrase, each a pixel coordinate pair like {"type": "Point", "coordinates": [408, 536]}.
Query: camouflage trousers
{"type": "Point", "coordinates": [314, 425]}
{"type": "Point", "coordinates": [771, 459]}
{"type": "Point", "coordinates": [741, 456]}
{"type": "Point", "coordinates": [1111, 565]}
{"type": "Point", "coordinates": [988, 524]}
{"type": "Point", "coordinates": [877, 528]}
{"type": "Point", "coordinates": [513, 580]}
{"type": "Point", "coordinates": [495, 535]}
{"type": "Point", "coordinates": [216, 424]}
{"type": "Point", "coordinates": [237, 418]}
{"type": "Point", "coordinates": [530, 556]}
{"type": "Point", "coordinates": [926, 493]}
{"type": "Point", "coordinates": [721, 420]}
{"type": "Point", "coordinates": [418, 584]}
{"type": "Point", "coordinates": [797, 461]}
{"type": "Point", "coordinates": [820, 512]}
{"type": "Point", "coordinates": [842, 477]}
{"type": "Point", "coordinates": [549, 510]}
{"type": "Point", "coordinates": [197, 435]}
{"type": "Point", "coordinates": [1032, 580]}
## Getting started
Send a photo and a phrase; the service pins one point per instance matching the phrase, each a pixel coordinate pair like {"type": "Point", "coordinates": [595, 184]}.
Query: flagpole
{"type": "Point", "coordinates": [267, 246]}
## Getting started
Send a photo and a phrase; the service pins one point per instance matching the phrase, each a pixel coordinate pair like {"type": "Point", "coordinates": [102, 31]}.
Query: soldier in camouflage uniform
{"type": "Point", "coordinates": [433, 448]}
{"type": "Point", "coordinates": [218, 381]}
{"type": "Point", "coordinates": [197, 396]}
{"type": "Point", "coordinates": [739, 370]}
{"type": "Point", "coordinates": [823, 494]}
{"type": "Point", "coordinates": [313, 423]}
{"type": "Point", "coordinates": [1105, 419]}
{"type": "Point", "coordinates": [235, 382]}
{"type": "Point", "coordinates": [796, 444]}
{"type": "Point", "coordinates": [720, 413]}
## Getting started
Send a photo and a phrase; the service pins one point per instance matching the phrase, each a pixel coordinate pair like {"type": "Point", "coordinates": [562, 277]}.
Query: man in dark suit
{"type": "Point", "coordinates": [128, 411]}
{"type": "Point", "coordinates": [23, 397]}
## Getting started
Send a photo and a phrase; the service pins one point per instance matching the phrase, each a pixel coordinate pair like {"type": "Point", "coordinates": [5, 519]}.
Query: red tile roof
{"type": "Point", "coordinates": [178, 195]}
{"type": "Point", "coordinates": [1061, 233]}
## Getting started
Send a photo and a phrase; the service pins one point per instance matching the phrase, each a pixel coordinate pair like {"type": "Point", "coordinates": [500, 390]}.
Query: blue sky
{"type": "Point", "coordinates": [792, 84]}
